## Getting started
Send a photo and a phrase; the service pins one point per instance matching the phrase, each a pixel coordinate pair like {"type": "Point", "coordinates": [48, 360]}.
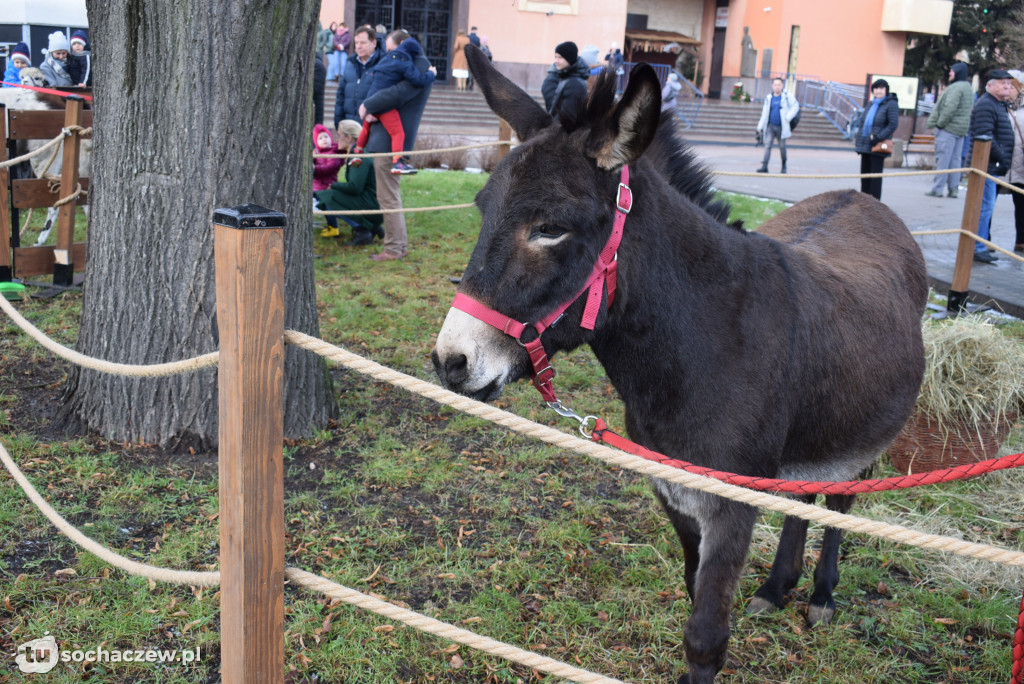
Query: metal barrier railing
{"type": "Point", "coordinates": [840, 103]}
{"type": "Point", "coordinates": [763, 84]}
{"type": "Point", "coordinates": [688, 102]}
{"type": "Point", "coordinates": [837, 102]}
{"type": "Point", "coordinates": [662, 71]}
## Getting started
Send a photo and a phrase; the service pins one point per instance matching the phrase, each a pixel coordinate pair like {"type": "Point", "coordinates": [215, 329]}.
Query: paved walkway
{"type": "Point", "coordinates": [1000, 285]}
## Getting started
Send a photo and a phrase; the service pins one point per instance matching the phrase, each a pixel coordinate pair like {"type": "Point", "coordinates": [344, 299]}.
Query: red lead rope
{"type": "Point", "coordinates": [1018, 648]}
{"type": "Point", "coordinates": [48, 91]}
{"type": "Point", "coordinates": [603, 434]}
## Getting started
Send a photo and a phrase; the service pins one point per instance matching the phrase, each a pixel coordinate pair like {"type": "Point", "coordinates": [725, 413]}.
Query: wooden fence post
{"type": "Point", "coordinates": [504, 135]}
{"type": "Point", "coordinates": [957, 301]}
{"type": "Point", "coordinates": [249, 256]}
{"type": "Point", "coordinates": [6, 265]}
{"type": "Point", "coordinates": [63, 263]}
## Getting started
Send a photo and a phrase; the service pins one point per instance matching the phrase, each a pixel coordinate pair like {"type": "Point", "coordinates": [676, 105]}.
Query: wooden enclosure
{"type": "Point", "coordinates": [66, 257]}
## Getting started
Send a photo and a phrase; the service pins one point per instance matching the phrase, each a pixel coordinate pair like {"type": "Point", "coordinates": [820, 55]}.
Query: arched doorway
{"type": "Point", "coordinates": [429, 21]}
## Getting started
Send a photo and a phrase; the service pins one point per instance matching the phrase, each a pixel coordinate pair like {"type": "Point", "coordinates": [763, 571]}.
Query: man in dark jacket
{"type": "Point", "coordinates": [410, 102]}
{"type": "Point", "coordinates": [319, 84]}
{"type": "Point", "coordinates": [355, 79]}
{"type": "Point", "coordinates": [565, 87]}
{"type": "Point", "coordinates": [990, 121]}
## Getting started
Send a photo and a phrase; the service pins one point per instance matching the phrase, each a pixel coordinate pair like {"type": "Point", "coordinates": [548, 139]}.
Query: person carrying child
{"type": "Point", "coordinates": [55, 66]}
{"type": "Point", "coordinates": [396, 66]}
{"type": "Point", "coordinates": [325, 169]}
{"type": "Point", "coordinates": [17, 60]}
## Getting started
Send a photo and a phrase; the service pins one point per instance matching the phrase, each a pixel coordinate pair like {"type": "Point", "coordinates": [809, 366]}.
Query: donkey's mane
{"type": "Point", "coordinates": [670, 154]}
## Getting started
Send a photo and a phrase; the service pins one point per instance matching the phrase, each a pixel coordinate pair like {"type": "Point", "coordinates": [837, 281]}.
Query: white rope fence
{"type": "Point", "coordinates": [83, 132]}
{"type": "Point", "coordinates": [558, 438]}
{"type": "Point", "coordinates": [310, 581]}
{"type": "Point", "coordinates": [498, 416]}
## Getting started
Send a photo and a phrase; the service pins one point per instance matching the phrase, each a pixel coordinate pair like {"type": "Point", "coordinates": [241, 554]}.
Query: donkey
{"type": "Point", "coordinates": [791, 352]}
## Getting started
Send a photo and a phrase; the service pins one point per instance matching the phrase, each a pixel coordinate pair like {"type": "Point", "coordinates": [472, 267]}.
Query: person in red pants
{"type": "Point", "coordinates": [396, 66]}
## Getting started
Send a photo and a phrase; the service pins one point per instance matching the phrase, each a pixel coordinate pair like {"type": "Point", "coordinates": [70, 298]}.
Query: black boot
{"type": "Point", "coordinates": [378, 231]}
{"type": "Point", "coordinates": [763, 169]}
{"type": "Point", "coordinates": [783, 164]}
{"type": "Point", "coordinates": [360, 238]}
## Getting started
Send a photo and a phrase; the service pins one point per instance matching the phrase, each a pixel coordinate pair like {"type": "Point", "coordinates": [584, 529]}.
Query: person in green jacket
{"type": "Point", "coordinates": [951, 118]}
{"type": "Point", "coordinates": [357, 191]}
{"type": "Point", "coordinates": [324, 43]}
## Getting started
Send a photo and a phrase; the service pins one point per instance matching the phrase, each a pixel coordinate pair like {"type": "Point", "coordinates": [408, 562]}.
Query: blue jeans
{"type": "Point", "coordinates": [988, 205]}
{"type": "Point", "coordinates": [335, 64]}
{"type": "Point", "coordinates": [771, 134]}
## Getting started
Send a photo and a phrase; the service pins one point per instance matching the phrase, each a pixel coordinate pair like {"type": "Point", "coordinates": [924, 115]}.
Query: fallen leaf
{"type": "Point", "coordinates": [456, 662]}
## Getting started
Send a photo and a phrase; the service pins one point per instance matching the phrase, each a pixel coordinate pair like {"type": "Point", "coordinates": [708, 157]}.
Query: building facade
{"type": "Point", "coordinates": [829, 41]}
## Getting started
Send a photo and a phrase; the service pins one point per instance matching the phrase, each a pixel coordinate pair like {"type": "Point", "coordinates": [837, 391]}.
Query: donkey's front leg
{"type": "Point", "coordinates": [724, 543]}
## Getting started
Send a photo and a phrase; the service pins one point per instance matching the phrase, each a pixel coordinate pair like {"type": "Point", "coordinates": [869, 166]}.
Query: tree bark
{"type": "Point", "coordinates": [199, 104]}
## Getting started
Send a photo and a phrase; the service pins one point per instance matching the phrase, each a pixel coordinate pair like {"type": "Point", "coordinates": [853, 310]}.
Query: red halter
{"type": "Point", "coordinates": [603, 273]}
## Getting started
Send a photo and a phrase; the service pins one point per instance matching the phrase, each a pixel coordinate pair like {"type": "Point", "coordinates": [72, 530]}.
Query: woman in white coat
{"type": "Point", "coordinates": [779, 109]}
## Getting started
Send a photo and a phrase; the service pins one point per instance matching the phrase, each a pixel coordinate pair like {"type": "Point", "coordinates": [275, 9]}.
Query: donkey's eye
{"type": "Point", "coordinates": [548, 230]}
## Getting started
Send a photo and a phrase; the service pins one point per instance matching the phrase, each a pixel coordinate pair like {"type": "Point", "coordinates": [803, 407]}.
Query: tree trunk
{"type": "Point", "coordinates": [199, 105]}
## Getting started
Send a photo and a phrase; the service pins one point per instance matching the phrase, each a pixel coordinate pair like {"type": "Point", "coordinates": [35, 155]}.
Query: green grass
{"type": "Point", "coordinates": [465, 522]}
{"type": "Point", "coordinates": [753, 211]}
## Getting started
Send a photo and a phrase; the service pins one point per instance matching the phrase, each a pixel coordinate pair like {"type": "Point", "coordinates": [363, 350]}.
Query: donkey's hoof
{"type": "Point", "coordinates": [685, 679]}
{"type": "Point", "coordinates": [820, 615]}
{"type": "Point", "coordinates": [760, 605]}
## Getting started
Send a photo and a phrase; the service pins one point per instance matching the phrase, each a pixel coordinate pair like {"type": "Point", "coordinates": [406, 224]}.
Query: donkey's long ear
{"type": "Point", "coordinates": [623, 135]}
{"type": "Point", "coordinates": [505, 98]}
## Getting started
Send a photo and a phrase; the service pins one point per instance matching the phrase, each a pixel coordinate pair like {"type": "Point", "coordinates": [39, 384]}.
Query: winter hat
{"type": "Point", "coordinates": [21, 50]}
{"type": "Point", "coordinates": [998, 74]}
{"type": "Point", "coordinates": [317, 130]}
{"type": "Point", "coordinates": [1018, 78]}
{"type": "Point", "coordinates": [589, 54]}
{"type": "Point", "coordinates": [79, 37]}
{"type": "Point", "coordinates": [58, 41]}
{"type": "Point", "coordinates": [568, 51]}
{"type": "Point", "coordinates": [959, 71]}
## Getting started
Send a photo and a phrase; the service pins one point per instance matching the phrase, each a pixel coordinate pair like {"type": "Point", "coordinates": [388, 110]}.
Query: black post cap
{"type": "Point", "coordinates": [249, 216]}
{"type": "Point", "coordinates": [956, 302]}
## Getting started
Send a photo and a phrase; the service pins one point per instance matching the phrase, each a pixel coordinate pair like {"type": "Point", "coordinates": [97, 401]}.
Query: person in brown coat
{"type": "Point", "coordinates": [460, 67]}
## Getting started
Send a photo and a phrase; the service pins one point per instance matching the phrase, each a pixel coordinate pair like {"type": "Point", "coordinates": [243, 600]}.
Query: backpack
{"type": "Point", "coordinates": [796, 119]}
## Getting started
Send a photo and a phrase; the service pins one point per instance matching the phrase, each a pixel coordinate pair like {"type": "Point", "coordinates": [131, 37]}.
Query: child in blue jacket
{"type": "Point", "coordinates": [16, 61]}
{"type": "Point", "coordinates": [397, 65]}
